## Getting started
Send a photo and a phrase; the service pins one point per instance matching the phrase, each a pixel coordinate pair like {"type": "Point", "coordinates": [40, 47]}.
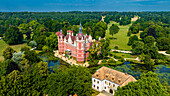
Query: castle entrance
{"type": "Point", "coordinates": [111, 91]}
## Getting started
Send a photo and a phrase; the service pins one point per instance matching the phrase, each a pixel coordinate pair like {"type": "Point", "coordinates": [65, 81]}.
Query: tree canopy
{"type": "Point", "coordinates": [147, 85]}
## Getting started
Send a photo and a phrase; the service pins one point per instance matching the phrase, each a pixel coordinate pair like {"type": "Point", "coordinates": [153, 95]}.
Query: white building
{"type": "Point", "coordinates": [107, 79]}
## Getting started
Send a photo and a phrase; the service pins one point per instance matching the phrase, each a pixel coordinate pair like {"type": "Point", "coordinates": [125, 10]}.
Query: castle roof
{"type": "Point", "coordinates": [59, 34]}
{"type": "Point", "coordinates": [114, 76]}
{"type": "Point", "coordinates": [70, 31]}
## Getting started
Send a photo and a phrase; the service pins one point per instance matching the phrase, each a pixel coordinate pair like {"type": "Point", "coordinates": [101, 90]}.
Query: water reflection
{"type": "Point", "coordinates": [136, 70]}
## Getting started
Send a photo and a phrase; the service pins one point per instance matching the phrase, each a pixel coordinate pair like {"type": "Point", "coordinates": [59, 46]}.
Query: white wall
{"type": "Point", "coordinates": [102, 85]}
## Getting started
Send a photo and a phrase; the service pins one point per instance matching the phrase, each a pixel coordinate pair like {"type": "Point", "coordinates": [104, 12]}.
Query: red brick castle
{"type": "Point", "coordinates": [77, 46]}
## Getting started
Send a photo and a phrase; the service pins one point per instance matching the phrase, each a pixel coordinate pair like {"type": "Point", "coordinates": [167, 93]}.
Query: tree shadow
{"type": "Point", "coordinates": [112, 38]}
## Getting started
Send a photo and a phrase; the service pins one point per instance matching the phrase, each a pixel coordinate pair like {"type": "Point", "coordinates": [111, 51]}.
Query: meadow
{"type": "Point", "coordinates": [3, 45]}
{"type": "Point", "coordinates": [120, 39]}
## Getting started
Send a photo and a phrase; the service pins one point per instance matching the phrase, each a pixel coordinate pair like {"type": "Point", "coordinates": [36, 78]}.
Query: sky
{"type": "Point", "coordinates": [83, 5]}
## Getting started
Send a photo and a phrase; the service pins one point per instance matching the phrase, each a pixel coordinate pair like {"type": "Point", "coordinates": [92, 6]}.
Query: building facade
{"type": "Point", "coordinates": [77, 46]}
{"type": "Point", "coordinates": [107, 79]}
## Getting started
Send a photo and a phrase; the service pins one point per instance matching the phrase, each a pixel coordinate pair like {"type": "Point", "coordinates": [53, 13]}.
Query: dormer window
{"type": "Point", "coordinates": [119, 80]}
{"type": "Point", "coordinates": [107, 75]}
{"type": "Point", "coordinates": [97, 75]}
{"type": "Point", "coordinates": [113, 78]}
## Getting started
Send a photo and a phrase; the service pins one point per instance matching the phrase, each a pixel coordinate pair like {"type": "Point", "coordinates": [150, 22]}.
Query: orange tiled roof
{"type": "Point", "coordinates": [113, 75]}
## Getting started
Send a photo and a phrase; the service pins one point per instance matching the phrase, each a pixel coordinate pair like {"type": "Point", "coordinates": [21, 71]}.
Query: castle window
{"type": "Point", "coordinates": [81, 45]}
{"type": "Point", "coordinates": [113, 85]}
{"type": "Point", "coordinates": [97, 87]}
{"type": "Point", "coordinates": [97, 82]}
{"type": "Point", "coordinates": [81, 58]}
{"type": "Point", "coordinates": [109, 83]}
{"type": "Point", "coordinates": [94, 80]}
{"type": "Point", "coordinates": [94, 86]}
{"type": "Point", "coordinates": [113, 78]}
{"type": "Point", "coordinates": [105, 82]}
{"type": "Point", "coordinates": [104, 87]}
{"type": "Point", "coordinates": [77, 58]}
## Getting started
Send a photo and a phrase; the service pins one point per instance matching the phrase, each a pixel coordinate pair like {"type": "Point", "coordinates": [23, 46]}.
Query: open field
{"type": "Point", "coordinates": [120, 39]}
{"type": "Point", "coordinates": [3, 45]}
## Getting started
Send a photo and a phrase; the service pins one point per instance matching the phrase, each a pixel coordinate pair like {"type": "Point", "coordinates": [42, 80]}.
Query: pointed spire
{"type": "Point", "coordinates": [80, 29]}
{"type": "Point", "coordinates": [60, 31]}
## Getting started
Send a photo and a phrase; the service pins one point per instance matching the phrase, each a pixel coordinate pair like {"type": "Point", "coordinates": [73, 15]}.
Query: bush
{"type": "Point", "coordinates": [46, 49]}
{"type": "Point", "coordinates": [116, 47]}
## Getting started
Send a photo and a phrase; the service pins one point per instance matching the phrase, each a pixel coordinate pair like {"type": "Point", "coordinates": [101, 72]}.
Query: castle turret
{"type": "Point", "coordinates": [80, 29]}
{"type": "Point", "coordinates": [61, 31]}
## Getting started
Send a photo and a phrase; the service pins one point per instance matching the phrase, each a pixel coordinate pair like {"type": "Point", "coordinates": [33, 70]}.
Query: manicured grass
{"type": "Point", "coordinates": [125, 55]}
{"type": "Point", "coordinates": [120, 39]}
{"type": "Point", "coordinates": [3, 45]}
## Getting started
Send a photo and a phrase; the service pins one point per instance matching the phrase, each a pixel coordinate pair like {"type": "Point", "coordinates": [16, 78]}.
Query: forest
{"type": "Point", "coordinates": [25, 73]}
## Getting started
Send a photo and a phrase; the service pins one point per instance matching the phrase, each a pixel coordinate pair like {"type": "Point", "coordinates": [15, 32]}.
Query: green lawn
{"type": "Point", "coordinates": [120, 39]}
{"type": "Point", "coordinates": [3, 45]}
{"type": "Point", "coordinates": [125, 55]}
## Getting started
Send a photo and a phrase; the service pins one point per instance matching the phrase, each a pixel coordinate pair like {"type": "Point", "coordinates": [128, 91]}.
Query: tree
{"type": "Point", "coordinates": [52, 41]}
{"type": "Point", "coordinates": [8, 52]}
{"type": "Point", "coordinates": [31, 56]}
{"type": "Point", "coordinates": [163, 43]}
{"type": "Point", "coordinates": [148, 62]}
{"type": "Point", "coordinates": [113, 29]}
{"type": "Point", "coordinates": [75, 29]}
{"type": "Point", "coordinates": [151, 51]}
{"type": "Point", "coordinates": [93, 54]}
{"type": "Point", "coordinates": [149, 40]}
{"type": "Point", "coordinates": [104, 47]}
{"type": "Point", "coordinates": [7, 67]}
{"type": "Point", "coordinates": [17, 57]}
{"type": "Point", "coordinates": [33, 44]}
{"type": "Point", "coordinates": [75, 80]}
{"type": "Point", "coordinates": [147, 85]}
{"type": "Point", "coordinates": [24, 28]}
{"type": "Point", "coordinates": [40, 74]}
{"type": "Point", "coordinates": [137, 47]}
{"type": "Point", "coordinates": [13, 36]}
{"type": "Point", "coordinates": [99, 29]}
{"type": "Point", "coordinates": [46, 49]}
{"type": "Point", "coordinates": [132, 39]}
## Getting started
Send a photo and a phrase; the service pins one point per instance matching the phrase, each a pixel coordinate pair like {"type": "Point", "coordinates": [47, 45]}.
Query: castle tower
{"type": "Point", "coordinates": [61, 42]}
{"type": "Point", "coordinates": [80, 45]}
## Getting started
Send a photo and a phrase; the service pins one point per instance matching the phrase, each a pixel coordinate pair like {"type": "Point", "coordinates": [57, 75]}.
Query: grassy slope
{"type": "Point", "coordinates": [120, 39]}
{"type": "Point", "coordinates": [3, 45]}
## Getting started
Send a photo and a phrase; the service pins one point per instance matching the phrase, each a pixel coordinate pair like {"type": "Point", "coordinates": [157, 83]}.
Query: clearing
{"type": "Point", "coordinates": [3, 45]}
{"type": "Point", "coordinates": [120, 39]}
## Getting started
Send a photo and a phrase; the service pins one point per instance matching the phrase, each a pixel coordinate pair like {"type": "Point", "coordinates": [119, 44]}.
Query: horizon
{"type": "Point", "coordinates": [84, 5]}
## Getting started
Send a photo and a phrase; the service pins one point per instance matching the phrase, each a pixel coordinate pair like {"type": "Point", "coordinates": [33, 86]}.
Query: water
{"type": "Point", "coordinates": [163, 71]}
{"type": "Point", "coordinates": [51, 64]}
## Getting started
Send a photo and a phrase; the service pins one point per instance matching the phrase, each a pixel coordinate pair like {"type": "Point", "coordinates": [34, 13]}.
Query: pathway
{"type": "Point", "coordinates": [161, 52]}
{"type": "Point", "coordinates": [69, 61]}
{"type": "Point", "coordinates": [103, 18]}
{"type": "Point", "coordinates": [164, 52]}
